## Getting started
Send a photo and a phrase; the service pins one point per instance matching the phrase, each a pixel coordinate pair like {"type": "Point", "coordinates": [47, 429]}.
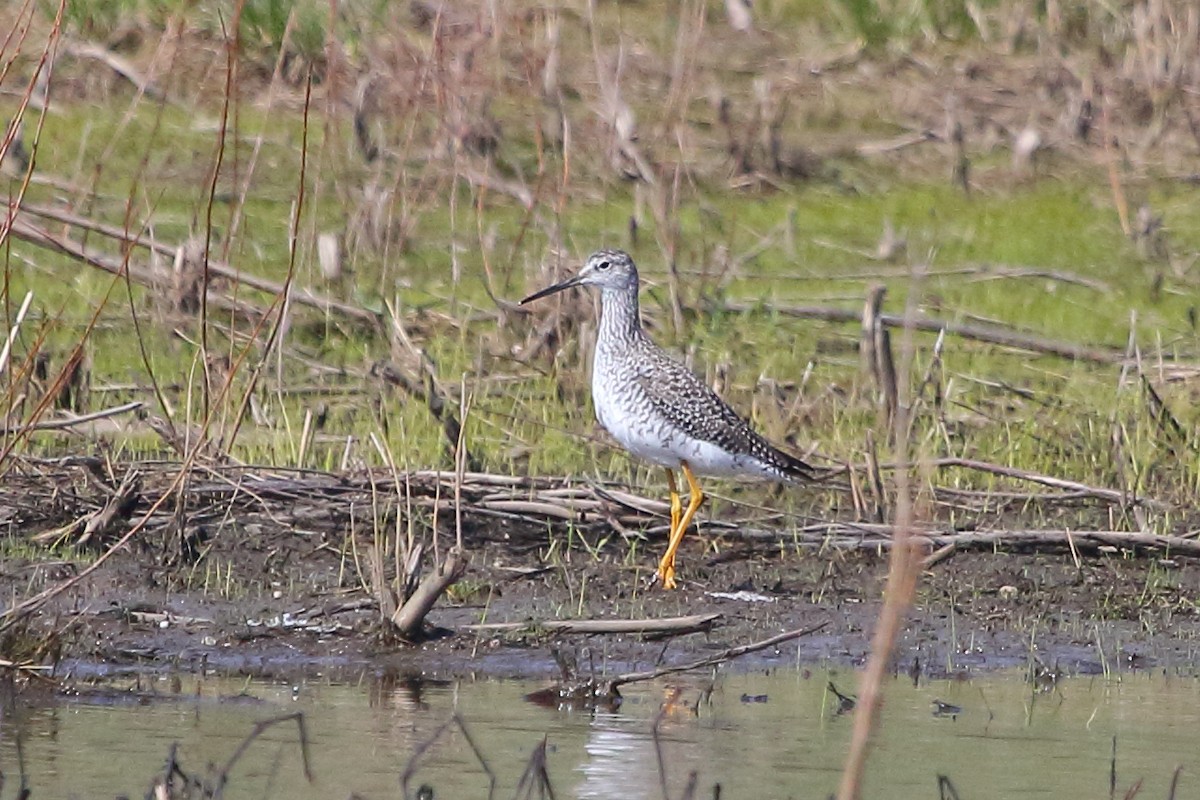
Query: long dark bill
{"type": "Point", "coordinates": [558, 287]}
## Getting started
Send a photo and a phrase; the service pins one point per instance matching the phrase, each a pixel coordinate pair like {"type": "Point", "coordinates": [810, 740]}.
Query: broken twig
{"type": "Point", "coordinates": [82, 419]}
{"type": "Point", "coordinates": [712, 661]}
{"type": "Point", "coordinates": [689, 624]}
{"type": "Point", "coordinates": [409, 619]}
{"type": "Point", "coordinates": [991, 334]}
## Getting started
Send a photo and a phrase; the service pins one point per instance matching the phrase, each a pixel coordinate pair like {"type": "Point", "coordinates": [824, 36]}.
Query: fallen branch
{"type": "Point", "coordinates": [975, 273]}
{"type": "Point", "coordinates": [409, 619]}
{"type": "Point", "coordinates": [430, 392]}
{"type": "Point", "coordinates": [124, 68]}
{"type": "Point", "coordinates": [29, 231]}
{"type": "Point", "coordinates": [989, 272]}
{"type": "Point", "coordinates": [689, 624]}
{"type": "Point", "coordinates": [1080, 540]}
{"type": "Point", "coordinates": [83, 419]}
{"type": "Point", "coordinates": [1111, 495]}
{"type": "Point", "coordinates": [118, 509]}
{"type": "Point", "coordinates": [992, 334]}
{"type": "Point", "coordinates": [877, 536]}
{"type": "Point", "coordinates": [1073, 489]}
{"type": "Point", "coordinates": [896, 143]}
{"type": "Point", "coordinates": [712, 661]}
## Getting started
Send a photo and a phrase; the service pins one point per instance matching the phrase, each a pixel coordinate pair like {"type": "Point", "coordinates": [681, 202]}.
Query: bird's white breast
{"type": "Point", "coordinates": [633, 424]}
{"type": "Point", "coordinates": [631, 420]}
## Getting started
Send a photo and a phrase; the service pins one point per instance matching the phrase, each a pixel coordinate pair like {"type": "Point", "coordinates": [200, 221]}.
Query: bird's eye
{"type": "Point", "coordinates": [603, 265]}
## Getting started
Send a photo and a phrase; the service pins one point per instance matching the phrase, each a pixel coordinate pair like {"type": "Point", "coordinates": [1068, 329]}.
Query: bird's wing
{"type": "Point", "coordinates": [688, 404]}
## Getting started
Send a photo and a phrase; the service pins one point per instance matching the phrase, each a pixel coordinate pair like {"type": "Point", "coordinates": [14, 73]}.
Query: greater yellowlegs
{"type": "Point", "coordinates": [658, 410]}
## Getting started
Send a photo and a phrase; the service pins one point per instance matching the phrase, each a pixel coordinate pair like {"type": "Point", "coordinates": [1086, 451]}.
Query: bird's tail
{"type": "Point", "coordinates": [794, 468]}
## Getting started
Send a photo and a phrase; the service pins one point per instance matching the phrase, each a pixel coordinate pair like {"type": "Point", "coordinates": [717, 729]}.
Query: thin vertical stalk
{"type": "Point", "coordinates": [904, 567]}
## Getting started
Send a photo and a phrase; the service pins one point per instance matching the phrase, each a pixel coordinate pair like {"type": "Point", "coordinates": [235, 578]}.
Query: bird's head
{"type": "Point", "coordinates": [607, 269]}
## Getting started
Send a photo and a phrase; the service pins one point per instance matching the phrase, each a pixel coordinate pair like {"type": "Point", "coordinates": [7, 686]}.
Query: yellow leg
{"type": "Point", "coordinates": [666, 572]}
{"type": "Point", "coordinates": [666, 567]}
{"type": "Point", "coordinates": [676, 506]}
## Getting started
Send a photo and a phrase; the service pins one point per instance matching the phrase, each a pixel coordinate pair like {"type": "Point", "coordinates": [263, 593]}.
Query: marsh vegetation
{"type": "Point", "coordinates": [263, 356]}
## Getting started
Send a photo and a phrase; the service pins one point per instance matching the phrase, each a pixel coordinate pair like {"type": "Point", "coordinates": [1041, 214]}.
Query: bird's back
{"type": "Point", "coordinates": [655, 405]}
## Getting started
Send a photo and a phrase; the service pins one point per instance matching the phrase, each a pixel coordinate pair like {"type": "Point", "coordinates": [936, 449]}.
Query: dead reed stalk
{"type": "Point", "coordinates": [904, 568]}
{"type": "Point", "coordinates": [409, 619]}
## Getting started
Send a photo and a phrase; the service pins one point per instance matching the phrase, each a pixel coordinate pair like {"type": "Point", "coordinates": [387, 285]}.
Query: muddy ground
{"type": "Point", "coordinates": [278, 597]}
{"type": "Point", "coordinates": [278, 604]}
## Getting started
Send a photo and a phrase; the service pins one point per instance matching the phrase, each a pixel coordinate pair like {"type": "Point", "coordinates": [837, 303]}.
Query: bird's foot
{"type": "Point", "coordinates": [666, 575]}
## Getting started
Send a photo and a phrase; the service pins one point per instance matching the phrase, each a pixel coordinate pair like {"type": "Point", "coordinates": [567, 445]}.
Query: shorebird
{"type": "Point", "coordinates": [658, 410]}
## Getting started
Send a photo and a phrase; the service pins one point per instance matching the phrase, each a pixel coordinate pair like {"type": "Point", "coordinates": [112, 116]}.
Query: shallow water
{"type": "Point", "coordinates": [758, 736]}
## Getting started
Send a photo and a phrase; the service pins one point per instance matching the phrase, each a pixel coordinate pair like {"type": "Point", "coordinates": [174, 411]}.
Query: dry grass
{"type": "Point", "coordinates": [296, 247]}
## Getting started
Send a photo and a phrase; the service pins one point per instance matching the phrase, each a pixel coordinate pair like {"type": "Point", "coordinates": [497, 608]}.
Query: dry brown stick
{"type": "Point", "coordinates": [24, 667]}
{"type": "Point", "coordinates": [1111, 495]}
{"type": "Point", "coordinates": [118, 65]}
{"type": "Point", "coordinates": [570, 510]}
{"type": "Point", "coordinates": [989, 496]}
{"type": "Point", "coordinates": [988, 272]}
{"type": "Point", "coordinates": [409, 618]}
{"type": "Point", "coordinates": [26, 231]}
{"type": "Point", "coordinates": [88, 224]}
{"type": "Point", "coordinates": [872, 537]}
{"type": "Point", "coordinates": [118, 509]}
{"type": "Point", "coordinates": [1089, 539]}
{"type": "Point", "coordinates": [377, 582]}
{"type": "Point", "coordinates": [1077, 541]}
{"type": "Point", "coordinates": [875, 349]}
{"type": "Point", "coordinates": [688, 624]}
{"type": "Point", "coordinates": [904, 570]}
{"type": "Point", "coordinates": [895, 143]}
{"type": "Point", "coordinates": [983, 271]}
{"type": "Point", "coordinates": [632, 502]}
{"type": "Point", "coordinates": [430, 392]}
{"type": "Point", "coordinates": [298, 295]}
{"type": "Point", "coordinates": [712, 661]}
{"type": "Point", "coordinates": [83, 419]}
{"type": "Point", "coordinates": [1074, 487]}
{"type": "Point", "coordinates": [938, 556]}
{"type": "Point", "coordinates": [990, 334]}
{"type": "Point", "coordinates": [874, 480]}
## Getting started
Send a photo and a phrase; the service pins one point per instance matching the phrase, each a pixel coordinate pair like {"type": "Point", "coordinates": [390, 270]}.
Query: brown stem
{"type": "Point", "coordinates": [410, 617]}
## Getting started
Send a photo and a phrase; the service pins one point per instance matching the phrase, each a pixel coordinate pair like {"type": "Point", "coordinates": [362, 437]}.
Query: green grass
{"type": "Point", "coordinates": [1058, 417]}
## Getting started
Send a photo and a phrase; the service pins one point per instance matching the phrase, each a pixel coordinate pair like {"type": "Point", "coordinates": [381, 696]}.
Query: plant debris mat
{"type": "Point", "coordinates": [84, 501]}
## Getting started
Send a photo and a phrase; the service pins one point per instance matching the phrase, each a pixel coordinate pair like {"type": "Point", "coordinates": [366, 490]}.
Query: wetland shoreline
{"type": "Point", "coordinates": [260, 280]}
{"type": "Point", "coordinates": [278, 582]}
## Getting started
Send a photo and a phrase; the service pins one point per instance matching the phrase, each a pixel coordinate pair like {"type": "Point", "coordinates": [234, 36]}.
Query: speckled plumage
{"type": "Point", "coordinates": [657, 409]}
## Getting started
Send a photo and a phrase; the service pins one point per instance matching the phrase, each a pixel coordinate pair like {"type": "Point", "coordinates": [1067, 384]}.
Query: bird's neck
{"type": "Point", "coordinates": [620, 320]}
